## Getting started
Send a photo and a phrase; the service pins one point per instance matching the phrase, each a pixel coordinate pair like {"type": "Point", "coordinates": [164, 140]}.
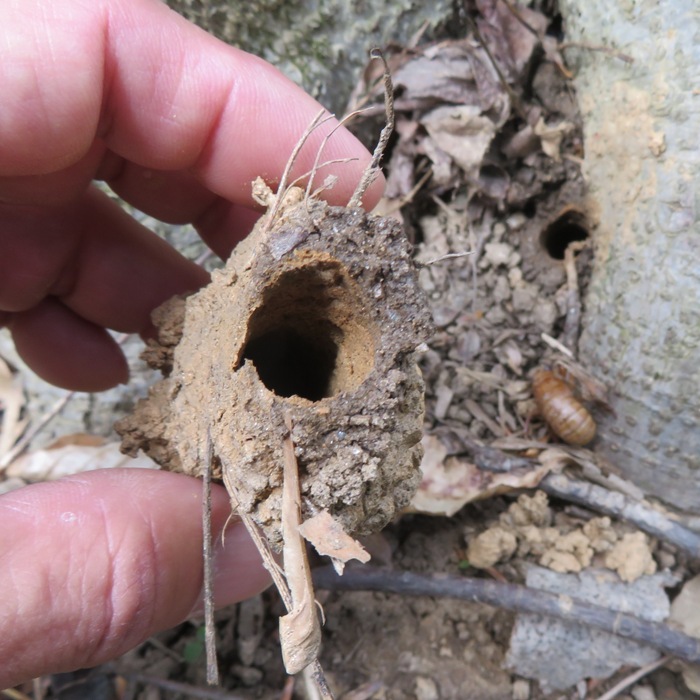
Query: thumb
{"type": "Point", "coordinates": [94, 564]}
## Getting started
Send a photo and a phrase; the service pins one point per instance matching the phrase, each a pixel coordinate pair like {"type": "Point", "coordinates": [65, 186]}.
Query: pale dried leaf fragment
{"type": "Point", "coordinates": [329, 538]}
{"type": "Point", "coordinates": [56, 462]}
{"type": "Point", "coordinates": [450, 482]}
{"type": "Point", "coordinates": [300, 629]}
{"type": "Point", "coordinates": [551, 136]}
{"type": "Point", "coordinates": [462, 132]}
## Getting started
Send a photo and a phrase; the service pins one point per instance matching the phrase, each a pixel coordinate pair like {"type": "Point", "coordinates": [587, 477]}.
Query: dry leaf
{"type": "Point", "coordinates": [55, 463]}
{"type": "Point", "coordinates": [450, 482]}
{"type": "Point", "coordinates": [327, 536]}
{"type": "Point", "coordinates": [461, 132]}
{"type": "Point", "coordinates": [551, 136]}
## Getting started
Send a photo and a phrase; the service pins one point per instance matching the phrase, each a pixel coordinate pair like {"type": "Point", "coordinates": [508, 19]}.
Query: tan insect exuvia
{"type": "Point", "coordinates": [568, 418]}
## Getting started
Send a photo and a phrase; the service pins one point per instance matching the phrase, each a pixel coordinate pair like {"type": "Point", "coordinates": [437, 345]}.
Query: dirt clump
{"type": "Point", "coordinates": [316, 317]}
{"type": "Point", "coordinates": [530, 530]}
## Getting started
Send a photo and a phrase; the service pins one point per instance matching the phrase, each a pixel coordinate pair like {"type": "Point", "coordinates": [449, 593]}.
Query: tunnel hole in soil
{"type": "Point", "coordinates": [568, 227]}
{"type": "Point", "coordinates": [306, 338]}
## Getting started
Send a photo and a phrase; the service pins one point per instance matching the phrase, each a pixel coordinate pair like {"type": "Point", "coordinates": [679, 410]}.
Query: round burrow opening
{"type": "Point", "coordinates": [308, 337]}
{"type": "Point", "coordinates": [568, 227]}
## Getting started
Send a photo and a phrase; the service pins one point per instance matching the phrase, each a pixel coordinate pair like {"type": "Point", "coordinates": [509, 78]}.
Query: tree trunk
{"type": "Point", "coordinates": [642, 324]}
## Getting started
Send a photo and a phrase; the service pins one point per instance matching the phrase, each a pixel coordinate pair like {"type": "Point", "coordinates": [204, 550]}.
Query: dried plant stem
{"type": "Point", "coordinates": [185, 689]}
{"type": "Point", "coordinates": [373, 168]}
{"type": "Point", "coordinates": [209, 627]}
{"type": "Point", "coordinates": [620, 506]}
{"type": "Point", "coordinates": [260, 542]}
{"type": "Point", "coordinates": [317, 166]}
{"type": "Point", "coordinates": [634, 677]}
{"type": "Point", "coordinates": [282, 188]}
{"type": "Point", "coordinates": [554, 343]}
{"type": "Point", "coordinates": [517, 598]}
{"type": "Point", "coordinates": [572, 322]}
{"type": "Point", "coordinates": [300, 630]}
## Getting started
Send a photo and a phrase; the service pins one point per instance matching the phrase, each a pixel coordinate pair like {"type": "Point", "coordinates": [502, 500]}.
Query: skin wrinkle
{"type": "Point", "coordinates": [108, 608]}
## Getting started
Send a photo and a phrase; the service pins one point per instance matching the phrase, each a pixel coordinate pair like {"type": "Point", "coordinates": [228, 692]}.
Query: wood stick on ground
{"type": "Point", "coordinates": [572, 322]}
{"type": "Point", "coordinates": [185, 689]}
{"type": "Point", "coordinates": [513, 597]}
{"type": "Point", "coordinates": [620, 506]}
{"type": "Point", "coordinates": [633, 678]}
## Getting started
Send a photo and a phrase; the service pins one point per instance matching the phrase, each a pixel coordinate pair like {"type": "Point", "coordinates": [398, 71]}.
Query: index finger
{"type": "Point", "coordinates": [159, 92]}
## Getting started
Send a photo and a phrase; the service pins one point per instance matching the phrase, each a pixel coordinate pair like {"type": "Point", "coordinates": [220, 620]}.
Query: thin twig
{"type": "Point", "coordinates": [620, 506]}
{"type": "Point", "coordinates": [373, 168]}
{"type": "Point", "coordinates": [13, 694]}
{"type": "Point", "coordinates": [189, 691]}
{"type": "Point", "coordinates": [554, 343]}
{"type": "Point", "coordinates": [260, 542]}
{"type": "Point", "coordinates": [26, 439]}
{"type": "Point", "coordinates": [625, 58]}
{"type": "Point", "coordinates": [634, 677]}
{"type": "Point", "coordinates": [572, 322]}
{"type": "Point", "coordinates": [209, 626]}
{"type": "Point", "coordinates": [521, 19]}
{"type": "Point", "coordinates": [513, 597]}
{"type": "Point", "coordinates": [447, 256]}
{"type": "Point", "coordinates": [514, 97]}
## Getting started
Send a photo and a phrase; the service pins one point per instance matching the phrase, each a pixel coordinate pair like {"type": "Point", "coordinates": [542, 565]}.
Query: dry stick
{"type": "Point", "coordinates": [447, 256]}
{"type": "Point", "coordinates": [513, 597]}
{"type": "Point", "coordinates": [260, 543]}
{"type": "Point", "coordinates": [373, 168]}
{"type": "Point", "coordinates": [620, 506]}
{"type": "Point", "coordinates": [24, 441]}
{"type": "Point", "coordinates": [614, 53]}
{"type": "Point", "coordinates": [634, 677]}
{"type": "Point", "coordinates": [572, 323]}
{"type": "Point", "coordinates": [514, 97]}
{"type": "Point", "coordinates": [209, 627]}
{"type": "Point", "coordinates": [554, 343]}
{"type": "Point", "coordinates": [190, 691]}
{"type": "Point", "coordinates": [593, 497]}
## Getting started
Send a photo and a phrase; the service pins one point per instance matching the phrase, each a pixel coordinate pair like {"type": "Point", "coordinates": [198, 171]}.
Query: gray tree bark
{"type": "Point", "coordinates": [642, 160]}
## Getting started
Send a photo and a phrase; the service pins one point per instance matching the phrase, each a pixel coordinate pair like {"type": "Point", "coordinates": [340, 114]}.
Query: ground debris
{"type": "Point", "coordinates": [537, 643]}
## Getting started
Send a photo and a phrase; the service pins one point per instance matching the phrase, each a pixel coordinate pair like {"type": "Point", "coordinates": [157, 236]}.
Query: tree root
{"type": "Point", "coordinates": [517, 598]}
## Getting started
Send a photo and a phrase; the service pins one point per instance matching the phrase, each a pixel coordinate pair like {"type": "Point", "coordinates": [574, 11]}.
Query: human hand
{"type": "Point", "coordinates": [179, 125]}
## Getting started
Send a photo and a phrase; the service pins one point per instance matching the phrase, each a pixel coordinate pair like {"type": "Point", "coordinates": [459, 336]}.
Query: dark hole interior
{"type": "Point", "coordinates": [292, 363]}
{"type": "Point", "coordinates": [556, 238]}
